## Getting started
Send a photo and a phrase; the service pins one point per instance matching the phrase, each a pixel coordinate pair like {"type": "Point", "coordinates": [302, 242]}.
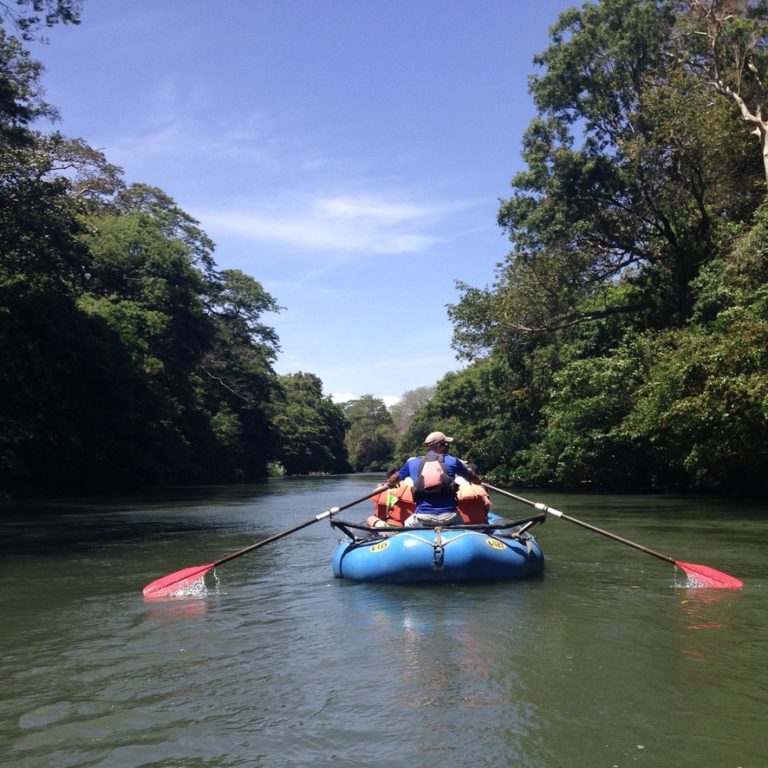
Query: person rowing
{"type": "Point", "coordinates": [434, 486]}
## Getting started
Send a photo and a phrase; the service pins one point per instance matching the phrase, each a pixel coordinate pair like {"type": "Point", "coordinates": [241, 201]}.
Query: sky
{"type": "Point", "coordinates": [350, 155]}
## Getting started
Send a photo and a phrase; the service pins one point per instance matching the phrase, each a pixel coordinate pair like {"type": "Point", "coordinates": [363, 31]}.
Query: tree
{"type": "Point", "coordinates": [238, 378]}
{"type": "Point", "coordinates": [21, 99]}
{"type": "Point", "coordinates": [488, 408]}
{"type": "Point", "coordinates": [631, 173]}
{"type": "Point", "coordinates": [638, 181]}
{"type": "Point", "coordinates": [703, 407]}
{"type": "Point", "coordinates": [409, 404]}
{"type": "Point", "coordinates": [725, 42]}
{"type": "Point", "coordinates": [370, 437]}
{"type": "Point", "coordinates": [310, 427]}
{"type": "Point", "coordinates": [128, 357]}
{"type": "Point", "coordinates": [28, 16]}
{"type": "Point", "coordinates": [174, 222]}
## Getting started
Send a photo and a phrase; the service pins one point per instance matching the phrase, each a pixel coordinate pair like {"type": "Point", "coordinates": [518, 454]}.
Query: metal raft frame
{"type": "Point", "coordinates": [516, 528]}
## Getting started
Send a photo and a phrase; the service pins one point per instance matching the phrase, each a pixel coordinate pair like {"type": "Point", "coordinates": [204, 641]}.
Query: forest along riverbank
{"type": "Point", "coordinates": [608, 659]}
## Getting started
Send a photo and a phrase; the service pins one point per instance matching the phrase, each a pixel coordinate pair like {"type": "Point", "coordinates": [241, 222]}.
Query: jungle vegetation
{"type": "Point", "coordinates": [621, 345]}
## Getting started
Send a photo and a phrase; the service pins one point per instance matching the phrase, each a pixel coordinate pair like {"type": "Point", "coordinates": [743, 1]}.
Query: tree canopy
{"type": "Point", "coordinates": [644, 187]}
{"type": "Point", "coordinates": [619, 345]}
{"type": "Point", "coordinates": [129, 357]}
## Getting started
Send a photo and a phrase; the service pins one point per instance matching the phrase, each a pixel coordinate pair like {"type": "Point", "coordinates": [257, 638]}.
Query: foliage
{"type": "Point", "coordinates": [702, 409]}
{"type": "Point", "coordinates": [310, 427]}
{"type": "Point", "coordinates": [129, 358]}
{"type": "Point", "coordinates": [370, 438]}
{"type": "Point", "coordinates": [629, 312]}
{"type": "Point", "coordinates": [28, 16]}
{"type": "Point", "coordinates": [724, 43]}
{"type": "Point", "coordinates": [583, 437]}
{"type": "Point", "coordinates": [410, 403]}
{"type": "Point", "coordinates": [620, 345]}
{"type": "Point", "coordinates": [485, 408]}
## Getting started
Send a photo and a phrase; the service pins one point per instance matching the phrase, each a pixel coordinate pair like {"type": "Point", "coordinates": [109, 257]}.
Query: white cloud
{"type": "Point", "coordinates": [343, 397]}
{"type": "Point", "coordinates": [368, 223]}
{"type": "Point", "coordinates": [263, 183]}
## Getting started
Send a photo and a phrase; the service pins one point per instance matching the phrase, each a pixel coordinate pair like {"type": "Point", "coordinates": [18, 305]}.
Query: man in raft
{"type": "Point", "coordinates": [434, 486]}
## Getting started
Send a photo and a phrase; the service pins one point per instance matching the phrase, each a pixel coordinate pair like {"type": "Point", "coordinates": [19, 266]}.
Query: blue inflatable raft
{"type": "Point", "coordinates": [458, 555]}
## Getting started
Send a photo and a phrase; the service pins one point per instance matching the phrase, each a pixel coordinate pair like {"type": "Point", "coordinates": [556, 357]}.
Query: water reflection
{"type": "Point", "coordinates": [165, 611]}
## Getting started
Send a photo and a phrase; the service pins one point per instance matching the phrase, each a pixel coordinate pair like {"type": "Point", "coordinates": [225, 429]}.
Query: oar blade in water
{"type": "Point", "coordinates": [705, 576]}
{"type": "Point", "coordinates": [177, 581]}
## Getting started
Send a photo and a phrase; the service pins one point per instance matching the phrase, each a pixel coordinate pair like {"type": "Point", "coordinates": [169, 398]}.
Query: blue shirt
{"type": "Point", "coordinates": [438, 503]}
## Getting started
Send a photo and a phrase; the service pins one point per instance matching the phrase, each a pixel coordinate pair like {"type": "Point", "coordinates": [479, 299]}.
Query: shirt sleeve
{"type": "Point", "coordinates": [460, 468]}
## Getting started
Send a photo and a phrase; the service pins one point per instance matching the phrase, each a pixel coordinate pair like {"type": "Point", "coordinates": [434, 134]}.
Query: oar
{"type": "Point", "coordinates": [178, 580]}
{"type": "Point", "coordinates": [701, 574]}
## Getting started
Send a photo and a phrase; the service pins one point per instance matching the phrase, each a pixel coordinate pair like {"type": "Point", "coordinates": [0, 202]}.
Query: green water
{"type": "Point", "coordinates": [608, 660]}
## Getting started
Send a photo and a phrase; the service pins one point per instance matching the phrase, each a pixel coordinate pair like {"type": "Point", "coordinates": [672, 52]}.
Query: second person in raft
{"type": "Point", "coordinates": [434, 486]}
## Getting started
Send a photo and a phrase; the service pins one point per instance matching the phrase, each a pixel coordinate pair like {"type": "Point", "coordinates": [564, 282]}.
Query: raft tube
{"type": "Point", "coordinates": [456, 556]}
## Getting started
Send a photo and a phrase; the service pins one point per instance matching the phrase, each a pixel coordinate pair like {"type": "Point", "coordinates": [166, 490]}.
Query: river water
{"type": "Point", "coordinates": [609, 660]}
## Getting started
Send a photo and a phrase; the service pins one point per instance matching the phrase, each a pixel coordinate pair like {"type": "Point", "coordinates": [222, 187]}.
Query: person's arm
{"type": "Point", "coordinates": [463, 470]}
{"type": "Point", "coordinates": [396, 477]}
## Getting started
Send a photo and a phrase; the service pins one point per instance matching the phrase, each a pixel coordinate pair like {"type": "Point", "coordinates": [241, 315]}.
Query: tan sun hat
{"type": "Point", "coordinates": [437, 437]}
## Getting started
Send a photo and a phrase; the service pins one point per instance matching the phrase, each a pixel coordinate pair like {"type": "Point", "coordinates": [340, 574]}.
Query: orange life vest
{"type": "Point", "coordinates": [381, 504]}
{"type": "Point", "coordinates": [473, 503]}
{"type": "Point", "coordinates": [395, 505]}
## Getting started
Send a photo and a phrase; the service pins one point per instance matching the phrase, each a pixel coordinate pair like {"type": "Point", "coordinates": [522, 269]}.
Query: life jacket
{"type": "Point", "coordinates": [401, 502]}
{"type": "Point", "coordinates": [473, 503]}
{"type": "Point", "coordinates": [381, 504]}
{"type": "Point", "coordinates": [432, 479]}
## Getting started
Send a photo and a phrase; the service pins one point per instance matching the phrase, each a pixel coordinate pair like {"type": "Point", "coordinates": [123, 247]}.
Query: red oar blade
{"type": "Point", "coordinates": [704, 576]}
{"type": "Point", "coordinates": [177, 581]}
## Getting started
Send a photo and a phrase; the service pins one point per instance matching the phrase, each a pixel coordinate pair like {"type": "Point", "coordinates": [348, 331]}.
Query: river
{"type": "Point", "coordinates": [607, 661]}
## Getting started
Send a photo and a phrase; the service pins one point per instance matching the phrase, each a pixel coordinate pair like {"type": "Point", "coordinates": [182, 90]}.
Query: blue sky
{"type": "Point", "coordinates": [348, 154]}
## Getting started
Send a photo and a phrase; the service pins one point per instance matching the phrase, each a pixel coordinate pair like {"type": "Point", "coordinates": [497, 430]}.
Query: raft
{"type": "Point", "coordinates": [456, 555]}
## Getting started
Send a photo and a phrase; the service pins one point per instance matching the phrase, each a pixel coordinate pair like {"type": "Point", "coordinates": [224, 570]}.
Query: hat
{"type": "Point", "coordinates": [437, 437]}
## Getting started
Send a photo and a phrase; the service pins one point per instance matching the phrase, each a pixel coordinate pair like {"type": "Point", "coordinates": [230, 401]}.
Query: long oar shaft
{"type": "Point", "coordinates": [305, 524]}
{"type": "Point", "coordinates": [702, 573]}
{"type": "Point", "coordinates": [552, 511]}
{"type": "Point", "coordinates": [177, 580]}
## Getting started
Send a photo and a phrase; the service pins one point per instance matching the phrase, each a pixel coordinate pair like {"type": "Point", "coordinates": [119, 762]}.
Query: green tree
{"type": "Point", "coordinates": [725, 42]}
{"type": "Point", "coordinates": [370, 439]}
{"type": "Point", "coordinates": [310, 427]}
{"type": "Point", "coordinates": [21, 101]}
{"type": "Point", "coordinates": [129, 358]}
{"type": "Point", "coordinates": [487, 409]}
{"type": "Point", "coordinates": [631, 170]}
{"type": "Point", "coordinates": [238, 378]}
{"type": "Point", "coordinates": [703, 408]}
{"type": "Point", "coordinates": [583, 437]}
{"type": "Point", "coordinates": [28, 16]}
{"type": "Point", "coordinates": [639, 179]}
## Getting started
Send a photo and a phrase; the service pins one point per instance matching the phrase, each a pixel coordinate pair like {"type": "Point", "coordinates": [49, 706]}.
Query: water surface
{"type": "Point", "coordinates": [607, 660]}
